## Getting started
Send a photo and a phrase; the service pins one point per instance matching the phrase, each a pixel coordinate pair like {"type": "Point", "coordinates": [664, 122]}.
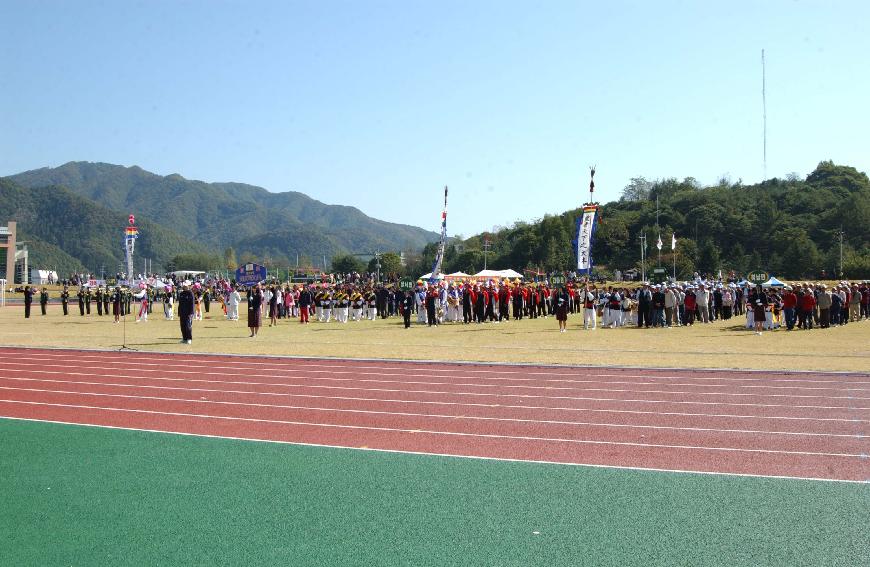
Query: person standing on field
{"type": "Point", "coordinates": [186, 303]}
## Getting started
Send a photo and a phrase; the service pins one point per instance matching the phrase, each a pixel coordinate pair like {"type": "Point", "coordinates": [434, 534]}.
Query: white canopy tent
{"type": "Point", "coordinates": [511, 274]}
{"type": "Point", "coordinates": [773, 282]}
{"type": "Point", "coordinates": [428, 276]}
{"type": "Point", "coordinates": [456, 276]}
{"type": "Point", "coordinates": [42, 277]}
{"type": "Point", "coordinates": [498, 274]}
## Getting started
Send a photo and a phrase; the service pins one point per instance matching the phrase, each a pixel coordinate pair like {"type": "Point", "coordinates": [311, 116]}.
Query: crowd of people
{"type": "Point", "coordinates": [343, 300]}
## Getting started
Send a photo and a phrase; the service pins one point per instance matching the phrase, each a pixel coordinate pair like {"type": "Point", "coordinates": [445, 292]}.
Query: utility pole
{"type": "Point", "coordinates": [378, 264]}
{"type": "Point", "coordinates": [659, 230]}
{"type": "Point", "coordinates": [764, 112]}
{"type": "Point", "coordinates": [841, 252]}
{"type": "Point", "coordinates": [642, 239]}
{"type": "Point", "coordinates": [486, 244]}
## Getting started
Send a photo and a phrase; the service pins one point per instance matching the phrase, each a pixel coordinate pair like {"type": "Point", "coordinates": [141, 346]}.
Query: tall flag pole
{"type": "Point", "coordinates": [439, 255]}
{"type": "Point", "coordinates": [674, 248]}
{"type": "Point", "coordinates": [586, 224]}
{"type": "Point", "coordinates": [131, 233]}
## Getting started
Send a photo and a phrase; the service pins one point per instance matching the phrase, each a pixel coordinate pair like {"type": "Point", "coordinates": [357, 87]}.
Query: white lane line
{"type": "Point", "coordinates": [848, 408]}
{"type": "Point", "coordinates": [431, 402]}
{"type": "Point", "coordinates": [444, 416]}
{"type": "Point", "coordinates": [454, 384]}
{"type": "Point", "coordinates": [299, 372]}
{"type": "Point", "coordinates": [446, 455]}
{"type": "Point", "coordinates": [450, 372]}
{"type": "Point", "coordinates": [445, 433]}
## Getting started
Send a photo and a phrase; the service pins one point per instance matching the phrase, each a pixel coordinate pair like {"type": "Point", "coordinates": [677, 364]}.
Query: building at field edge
{"type": "Point", "coordinates": [15, 260]}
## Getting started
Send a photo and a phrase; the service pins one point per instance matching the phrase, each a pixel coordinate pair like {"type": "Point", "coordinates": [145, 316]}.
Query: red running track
{"type": "Point", "coordinates": [798, 425]}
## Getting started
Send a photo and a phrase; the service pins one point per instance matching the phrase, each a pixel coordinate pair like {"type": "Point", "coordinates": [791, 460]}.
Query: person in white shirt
{"type": "Point", "coordinates": [168, 302]}
{"type": "Point", "coordinates": [702, 298]}
{"type": "Point", "coordinates": [588, 300]}
{"type": "Point", "coordinates": [233, 305]}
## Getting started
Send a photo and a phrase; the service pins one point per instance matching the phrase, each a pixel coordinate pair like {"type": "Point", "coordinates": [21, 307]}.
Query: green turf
{"type": "Point", "coordinates": [75, 495]}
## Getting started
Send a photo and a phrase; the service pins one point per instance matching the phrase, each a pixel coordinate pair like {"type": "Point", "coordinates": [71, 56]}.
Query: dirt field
{"type": "Point", "coordinates": [717, 345]}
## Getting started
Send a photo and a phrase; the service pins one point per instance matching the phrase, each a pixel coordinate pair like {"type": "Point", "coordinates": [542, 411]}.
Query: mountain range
{"type": "Point", "coordinates": [178, 215]}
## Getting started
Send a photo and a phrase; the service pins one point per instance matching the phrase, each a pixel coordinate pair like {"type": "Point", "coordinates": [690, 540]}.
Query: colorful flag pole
{"type": "Point", "coordinates": [586, 230]}
{"type": "Point", "coordinates": [131, 233]}
{"type": "Point", "coordinates": [439, 254]}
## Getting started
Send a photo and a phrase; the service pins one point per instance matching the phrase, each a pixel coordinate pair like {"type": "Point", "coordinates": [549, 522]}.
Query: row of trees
{"type": "Point", "coordinates": [791, 227]}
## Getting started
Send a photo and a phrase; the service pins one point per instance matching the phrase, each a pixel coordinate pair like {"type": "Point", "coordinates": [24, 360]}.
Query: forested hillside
{"type": "Point", "coordinates": [223, 215]}
{"type": "Point", "coordinates": [69, 233]}
{"type": "Point", "coordinates": [789, 227]}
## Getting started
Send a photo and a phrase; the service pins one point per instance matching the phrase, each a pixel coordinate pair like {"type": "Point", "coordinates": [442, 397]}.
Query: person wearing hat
{"type": "Point", "coordinates": [168, 302]}
{"type": "Point", "coordinates": [807, 305]}
{"type": "Point", "coordinates": [81, 297]}
{"type": "Point", "coordinates": [64, 300]}
{"type": "Point", "coordinates": [98, 297]}
{"type": "Point", "coordinates": [116, 304]}
{"type": "Point", "coordinates": [855, 297]}
{"type": "Point", "coordinates": [305, 300]}
{"type": "Point", "coordinates": [789, 304]}
{"type": "Point", "coordinates": [689, 306]}
{"type": "Point", "coordinates": [186, 306]}
{"type": "Point", "coordinates": [758, 301]}
{"type": "Point", "coordinates": [824, 301]}
{"type": "Point", "coordinates": [560, 304]}
{"type": "Point", "coordinates": [468, 300]}
{"type": "Point", "coordinates": [670, 305]}
{"type": "Point", "coordinates": [517, 294]}
{"type": "Point", "coordinates": [644, 304]}
{"type": "Point", "coordinates": [142, 296]}
{"type": "Point", "coordinates": [702, 299]}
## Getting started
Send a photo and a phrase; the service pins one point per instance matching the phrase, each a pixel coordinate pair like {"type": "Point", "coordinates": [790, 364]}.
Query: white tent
{"type": "Point", "coordinates": [428, 276]}
{"type": "Point", "coordinates": [498, 274]}
{"type": "Point", "coordinates": [511, 274]}
{"type": "Point", "coordinates": [41, 277]}
{"type": "Point", "coordinates": [773, 282]}
{"type": "Point", "coordinates": [489, 274]}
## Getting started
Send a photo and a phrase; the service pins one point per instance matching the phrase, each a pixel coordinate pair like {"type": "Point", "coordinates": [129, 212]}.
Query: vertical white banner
{"type": "Point", "coordinates": [584, 239]}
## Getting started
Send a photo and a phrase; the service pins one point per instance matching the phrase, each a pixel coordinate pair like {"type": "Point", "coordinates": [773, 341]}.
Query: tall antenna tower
{"type": "Point", "coordinates": [764, 111]}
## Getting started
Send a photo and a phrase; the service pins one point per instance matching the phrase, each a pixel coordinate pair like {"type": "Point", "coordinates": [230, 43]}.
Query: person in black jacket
{"type": "Point", "coordinates": [28, 299]}
{"type": "Point", "coordinates": [116, 304]}
{"type": "Point", "coordinates": [185, 313]}
{"type": "Point", "coordinates": [644, 304]}
{"type": "Point", "coordinates": [255, 301]}
{"type": "Point", "coordinates": [64, 300]}
{"type": "Point", "coordinates": [560, 304]}
{"type": "Point", "coordinates": [306, 298]}
{"type": "Point", "coordinates": [81, 297]}
{"type": "Point", "coordinates": [407, 307]}
{"type": "Point", "coordinates": [43, 300]}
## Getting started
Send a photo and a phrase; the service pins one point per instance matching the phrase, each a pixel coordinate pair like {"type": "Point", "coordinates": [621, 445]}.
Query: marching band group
{"type": "Point", "coordinates": [492, 301]}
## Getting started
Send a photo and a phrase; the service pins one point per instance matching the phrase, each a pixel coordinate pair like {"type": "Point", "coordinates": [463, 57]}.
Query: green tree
{"type": "Point", "coordinates": [230, 262]}
{"type": "Point", "coordinates": [391, 265]}
{"type": "Point", "coordinates": [199, 262]}
{"type": "Point", "coordinates": [637, 190]}
{"type": "Point", "coordinates": [708, 258]}
{"type": "Point", "coordinates": [346, 263]}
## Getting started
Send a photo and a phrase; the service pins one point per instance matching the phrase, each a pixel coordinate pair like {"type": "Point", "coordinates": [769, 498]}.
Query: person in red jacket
{"type": "Point", "coordinates": [807, 306]}
{"type": "Point", "coordinates": [789, 305]}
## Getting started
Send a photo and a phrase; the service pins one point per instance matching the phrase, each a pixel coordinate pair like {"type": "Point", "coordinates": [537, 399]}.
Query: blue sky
{"type": "Point", "coordinates": [380, 104]}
